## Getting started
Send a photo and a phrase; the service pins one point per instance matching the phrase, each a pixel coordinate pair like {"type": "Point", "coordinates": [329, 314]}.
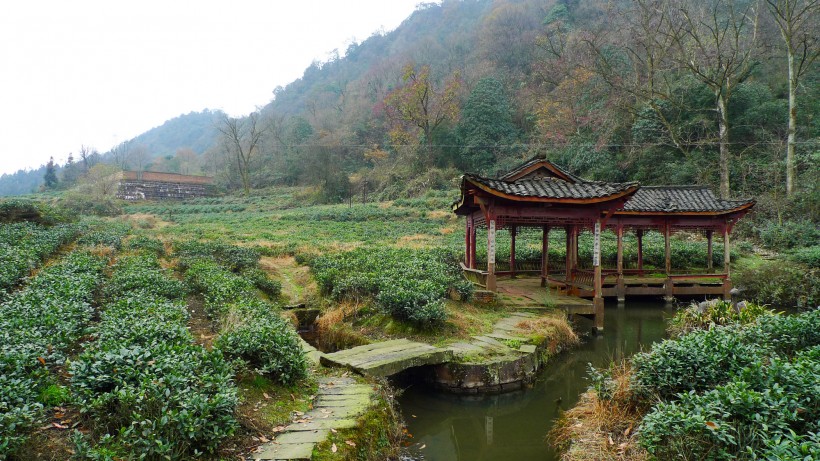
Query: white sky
{"type": "Point", "coordinates": [98, 72]}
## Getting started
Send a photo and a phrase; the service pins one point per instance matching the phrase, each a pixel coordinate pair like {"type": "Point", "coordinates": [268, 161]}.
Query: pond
{"type": "Point", "coordinates": [448, 427]}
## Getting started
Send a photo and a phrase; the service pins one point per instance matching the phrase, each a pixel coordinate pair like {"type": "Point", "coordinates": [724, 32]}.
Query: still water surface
{"type": "Point", "coordinates": [512, 426]}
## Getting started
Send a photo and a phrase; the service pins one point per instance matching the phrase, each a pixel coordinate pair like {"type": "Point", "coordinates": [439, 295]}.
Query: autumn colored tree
{"type": "Point", "coordinates": [418, 107]}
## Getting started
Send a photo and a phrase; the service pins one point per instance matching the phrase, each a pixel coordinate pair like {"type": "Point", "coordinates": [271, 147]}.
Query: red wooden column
{"type": "Point", "coordinates": [639, 233]}
{"type": "Point", "coordinates": [473, 232]}
{"type": "Point", "coordinates": [467, 232]}
{"type": "Point", "coordinates": [709, 264]}
{"type": "Point", "coordinates": [568, 259]}
{"type": "Point", "coordinates": [727, 253]}
{"type": "Point", "coordinates": [621, 288]}
{"type": "Point", "coordinates": [545, 248]}
{"type": "Point", "coordinates": [669, 285]}
{"type": "Point", "coordinates": [513, 232]}
{"type": "Point", "coordinates": [598, 299]}
{"type": "Point", "coordinates": [491, 284]}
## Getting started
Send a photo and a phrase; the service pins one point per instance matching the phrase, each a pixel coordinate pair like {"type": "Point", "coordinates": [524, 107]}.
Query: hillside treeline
{"type": "Point", "coordinates": [660, 91]}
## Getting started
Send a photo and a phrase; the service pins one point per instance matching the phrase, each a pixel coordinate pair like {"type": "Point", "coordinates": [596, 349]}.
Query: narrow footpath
{"type": "Point", "coordinates": [339, 402]}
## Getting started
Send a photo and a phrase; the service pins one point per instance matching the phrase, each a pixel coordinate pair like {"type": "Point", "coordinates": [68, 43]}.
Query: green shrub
{"type": "Point", "coordinates": [402, 281]}
{"type": "Point", "coordinates": [697, 361]}
{"type": "Point", "coordinates": [780, 283]}
{"type": "Point", "coordinates": [272, 288]}
{"type": "Point", "coordinates": [38, 326]}
{"type": "Point", "coordinates": [233, 257]}
{"type": "Point", "coordinates": [267, 343]}
{"type": "Point", "coordinates": [144, 388]}
{"type": "Point", "coordinates": [790, 234]}
{"type": "Point", "coordinates": [716, 312]}
{"type": "Point", "coordinates": [145, 243]}
{"type": "Point", "coordinates": [809, 256]}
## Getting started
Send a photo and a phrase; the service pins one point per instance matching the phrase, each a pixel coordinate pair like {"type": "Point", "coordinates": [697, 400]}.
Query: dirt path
{"type": "Point", "coordinates": [297, 284]}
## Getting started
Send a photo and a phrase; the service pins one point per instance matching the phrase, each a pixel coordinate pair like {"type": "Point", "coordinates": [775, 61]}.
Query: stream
{"type": "Point", "coordinates": [513, 426]}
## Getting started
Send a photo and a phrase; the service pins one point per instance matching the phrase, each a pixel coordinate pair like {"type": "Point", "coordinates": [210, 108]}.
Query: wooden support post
{"type": "Point", "coordinates": [513, 231]}
{"type": "Point", "coordinates": [621, 288]}
{"type": "Point", "coordinates": [709, 264]}
{"type": "Point", "coordinates": [568, 259]}
{"type": "Point", "coordinates": [640, 251]}
{"type": "Point", "coordinates": [598, 299]}
{"type": "Point", "coordinates": [669, 285]}
{"type": "Point", "coordinates": [727, 253]}
{"type": "Point", "coordinates": [491, 285]}
{"type": "Point", "coordinates": [467, 232]}
{"type": "Point", "coordinates": [473, 243]}
{"type": "Point", "coordinates": [545, 251]}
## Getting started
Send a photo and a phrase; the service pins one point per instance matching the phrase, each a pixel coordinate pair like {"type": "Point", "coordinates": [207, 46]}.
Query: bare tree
{"type": "Point", "coordinates": [798, 24]}
{"type": "Point", "coordinates": [101, 181]}
{"type": "Point", "coordinates": [717, 43]}
{"type": "Point", "coordinates": [120, 154]}
{"type": "Point", "coordinates": [241, 139]}
{"type": "Point", "coordinates": [138, 158]}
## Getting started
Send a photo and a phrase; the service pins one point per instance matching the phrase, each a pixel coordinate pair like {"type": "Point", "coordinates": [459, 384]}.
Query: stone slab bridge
{"type": "Point", "coordinates": [541, 195]}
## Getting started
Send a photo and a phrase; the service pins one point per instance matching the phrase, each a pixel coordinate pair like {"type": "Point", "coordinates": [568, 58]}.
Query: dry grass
{"type": "Point", "coordinates": [333, 333]}
{"type": "Point", "coordinates": [415, 241]}
{"type": "Point", "coordinates": [555, 330]}
{"type": "Point", "coordinates": [439, 214]}
{"type": "Point", "coordinates": [602, 429]}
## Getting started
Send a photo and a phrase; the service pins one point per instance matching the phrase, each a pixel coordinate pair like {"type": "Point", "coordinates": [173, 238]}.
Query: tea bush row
{"type": "Point", "coordinates": [252, 330]}
{"type": "Point", "coordinates": [733, 392]}
{"type": "Point", "coordinates": [143, 386]}
{"type": "Point", "coordinates": [23, 246]}
{"type": "Point", "coordinates": [781, 283]}
{"type": "Point", "coordinates": [107, 234]}
{"type": "Point", "coordinates": [408, 284]}
{"type": "Point", "coordinates": [233, 257]}
{"type": "Point", "coordinates": [38, 325]}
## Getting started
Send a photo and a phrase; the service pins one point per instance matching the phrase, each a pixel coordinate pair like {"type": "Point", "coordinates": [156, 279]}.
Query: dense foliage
{"type": "Point", "coordinates": [252, 330]}
{"type": "Point", "coordinates": [734, 392]}
{"type": "Point", "coordinates": [23, 246]}
{"type": "Point", "coordinates": [409, 285]}
{"type": "Point", "coordinates": [38, 326]}
{"type": "Point", "coordinates": [143, 386]}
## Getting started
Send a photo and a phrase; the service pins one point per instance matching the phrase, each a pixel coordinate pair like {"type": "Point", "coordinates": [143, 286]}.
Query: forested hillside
{"type": "Point", "coordinates": [631, 90]}
{"type": "Point", "coordinates": [660, 91]}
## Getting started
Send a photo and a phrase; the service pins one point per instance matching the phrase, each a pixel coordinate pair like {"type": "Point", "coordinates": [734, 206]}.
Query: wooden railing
{"type": "Point", "coordinates": [476, 276]}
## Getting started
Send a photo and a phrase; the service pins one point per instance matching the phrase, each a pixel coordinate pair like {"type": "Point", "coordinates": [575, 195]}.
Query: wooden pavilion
{"type": "Point", "coordinates": [540, 194]}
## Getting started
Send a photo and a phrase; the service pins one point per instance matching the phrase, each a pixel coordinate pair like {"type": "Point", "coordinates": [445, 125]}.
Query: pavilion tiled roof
{"type": "Point", "coordinates": [672, 199]}
{"type": "Point", "coordinates": [553, 188]}
{"type": "Point", "coordinates": [538, 160]}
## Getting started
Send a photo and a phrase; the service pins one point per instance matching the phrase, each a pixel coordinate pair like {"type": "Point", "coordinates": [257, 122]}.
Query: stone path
{"type": "Point", "coordinates": [388, 357]}
{"type": "Point", "coordinates": [505, 339]}
{"type": "Point", "coordinates": [528, 294]}
{"type": "Point", "coordinates": [339, 402]}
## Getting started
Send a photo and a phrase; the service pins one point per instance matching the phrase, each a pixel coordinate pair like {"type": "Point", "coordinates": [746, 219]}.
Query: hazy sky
{"type": "Point", "coordinates": [100, 72]}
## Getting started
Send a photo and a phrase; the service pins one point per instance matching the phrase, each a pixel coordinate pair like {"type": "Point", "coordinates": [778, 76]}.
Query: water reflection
{"type": "Point", "coordinates": [512, 426]}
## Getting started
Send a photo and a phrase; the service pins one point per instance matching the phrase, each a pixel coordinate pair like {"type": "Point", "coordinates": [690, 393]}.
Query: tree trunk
{"type": "Point", "coordinates": [792, 125]}
{"type": "Point", "coordinates": [723, 128]}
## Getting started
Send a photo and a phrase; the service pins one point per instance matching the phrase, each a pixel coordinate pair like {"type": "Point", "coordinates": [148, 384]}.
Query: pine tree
{"type": "Point", "coordinates": [51, 174]}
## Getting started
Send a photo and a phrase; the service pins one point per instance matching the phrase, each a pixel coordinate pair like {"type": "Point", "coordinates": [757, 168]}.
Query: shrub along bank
{"type": "Point", "coordinates": [38, 326]}
{"type": "Point", "coordinates": [144, 388]}
{"type": "Point", "coordinates": [252, 331]}
{"type": "Point", "coordinates": [728, 392]}
{"type": "Point", "coordinates": [410, 285]}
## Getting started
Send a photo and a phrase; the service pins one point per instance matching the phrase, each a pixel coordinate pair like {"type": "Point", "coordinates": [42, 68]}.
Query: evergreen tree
{"type": "Point", "coordinates": [486, 128]}
{"type": "Point", "coordinates": [51, 174]}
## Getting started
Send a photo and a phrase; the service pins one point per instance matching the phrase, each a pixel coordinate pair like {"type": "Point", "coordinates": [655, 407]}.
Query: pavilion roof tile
{"type": "Point", "coordinates": [553, 188]}
{"type": "Point", "coordinates": [671, 199]}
